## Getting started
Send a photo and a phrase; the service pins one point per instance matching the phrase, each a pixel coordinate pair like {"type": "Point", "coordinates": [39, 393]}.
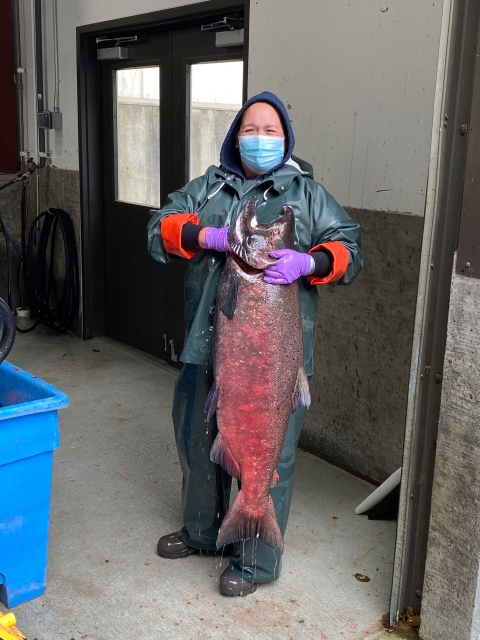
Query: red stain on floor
{"type": "Point", "coordinates": [267, 614]}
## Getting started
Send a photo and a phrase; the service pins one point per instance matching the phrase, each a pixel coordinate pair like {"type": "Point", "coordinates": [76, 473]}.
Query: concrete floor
{"type": "Point", "coordinates": [116, 489]}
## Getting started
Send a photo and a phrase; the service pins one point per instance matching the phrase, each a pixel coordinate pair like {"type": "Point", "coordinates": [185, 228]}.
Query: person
{"type": "Point", "coordinates": [256, 159]}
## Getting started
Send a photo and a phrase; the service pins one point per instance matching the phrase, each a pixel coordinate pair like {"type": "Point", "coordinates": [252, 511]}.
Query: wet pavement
{"type": "Point", "coordinates": [116, 490]}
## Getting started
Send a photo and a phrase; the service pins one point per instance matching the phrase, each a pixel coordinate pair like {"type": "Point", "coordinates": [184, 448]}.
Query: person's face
{"type": "Point", "coordinates": [260, 119]}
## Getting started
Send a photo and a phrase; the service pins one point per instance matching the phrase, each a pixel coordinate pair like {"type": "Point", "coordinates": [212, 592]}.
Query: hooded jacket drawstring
{"type": "Point", "coordinates": [266, 191]}
{"type": "Point", "coordinates": [216, 191]}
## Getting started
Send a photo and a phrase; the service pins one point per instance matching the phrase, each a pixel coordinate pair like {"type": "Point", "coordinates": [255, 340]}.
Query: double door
{"type": "Point", "coordinates": [165, 112]}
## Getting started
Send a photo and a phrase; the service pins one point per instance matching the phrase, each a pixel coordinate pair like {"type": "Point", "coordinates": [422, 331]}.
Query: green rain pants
{"type": "Point", "coordinates": [206, 486]}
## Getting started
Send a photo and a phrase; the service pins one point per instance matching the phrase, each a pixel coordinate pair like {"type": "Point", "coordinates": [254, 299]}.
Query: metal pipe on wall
{"type": "Point", "coordinates": [56, 95]}
{"type": "Point", "coordinates": [19, 81]}
{"type": "Point", "coordinates": [39, 87]}
{"type": "Point", "coordinates": [38, 55]}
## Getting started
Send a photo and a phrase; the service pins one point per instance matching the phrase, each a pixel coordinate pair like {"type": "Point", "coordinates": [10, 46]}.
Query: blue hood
{"type": "Point", "coordinates": [230, 156]}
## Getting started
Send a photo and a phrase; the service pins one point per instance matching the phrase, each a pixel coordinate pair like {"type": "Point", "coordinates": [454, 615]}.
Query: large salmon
{"type": "Point", "coordinates": [259, 373]}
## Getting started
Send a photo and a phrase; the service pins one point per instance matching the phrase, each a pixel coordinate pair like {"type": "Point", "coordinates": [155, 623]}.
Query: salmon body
{"type": "Point", "coordinates": [259, 373]}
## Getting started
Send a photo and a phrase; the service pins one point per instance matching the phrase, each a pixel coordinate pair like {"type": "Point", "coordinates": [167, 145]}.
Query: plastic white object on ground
{"type": "Point", "coordinates": [380, 492]}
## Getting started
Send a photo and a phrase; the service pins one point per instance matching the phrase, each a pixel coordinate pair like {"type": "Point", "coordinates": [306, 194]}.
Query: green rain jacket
{"type": "Point", "coordinates": [217, 199]}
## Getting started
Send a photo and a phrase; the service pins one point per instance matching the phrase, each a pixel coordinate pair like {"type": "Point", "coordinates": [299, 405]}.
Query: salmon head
{"type": "Point", "coordinates": [252, 242]}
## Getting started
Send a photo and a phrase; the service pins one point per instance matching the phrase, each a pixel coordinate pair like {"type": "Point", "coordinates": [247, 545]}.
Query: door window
{"type": "Point", "coordinates": [216, 90]}
{"type": "Point", "coordinates": [137, 136]}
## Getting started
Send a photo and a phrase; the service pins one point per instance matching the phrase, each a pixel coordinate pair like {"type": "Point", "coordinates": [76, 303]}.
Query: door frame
{"type": "Point", "coordinates": [90, 137]}
{"type": "Point", "coordinates": [452, 111]}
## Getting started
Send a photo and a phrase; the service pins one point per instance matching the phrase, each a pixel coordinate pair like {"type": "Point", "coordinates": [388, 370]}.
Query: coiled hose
{"type": "Point", "coordinates": [39, 272]}
{"type": "Point", "coordinates": [37, 281]}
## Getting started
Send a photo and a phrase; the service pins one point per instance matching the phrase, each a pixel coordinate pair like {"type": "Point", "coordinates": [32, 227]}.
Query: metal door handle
{"type": "Point", "coordinates": [166, 345]}
{"type": "Point", "coordinates": [173, 355]}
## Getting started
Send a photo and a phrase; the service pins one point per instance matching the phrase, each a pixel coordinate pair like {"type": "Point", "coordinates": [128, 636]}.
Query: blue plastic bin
{"type": "Point", "coordinates": [28, 436]}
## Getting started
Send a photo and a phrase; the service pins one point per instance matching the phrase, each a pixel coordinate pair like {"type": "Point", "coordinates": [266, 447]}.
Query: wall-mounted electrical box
{"type": "Point", "coordinates": [49, 120]}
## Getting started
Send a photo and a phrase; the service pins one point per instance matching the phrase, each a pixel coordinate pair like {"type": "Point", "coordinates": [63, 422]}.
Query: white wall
{"type": "Point", "coordinates": [360, 82]}
{"type": "Point", "coordinates": [71, 14]}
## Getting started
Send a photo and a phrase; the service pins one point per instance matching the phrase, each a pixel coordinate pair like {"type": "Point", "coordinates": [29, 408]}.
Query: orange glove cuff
{"type": "Point", "coordinates": [339, 253]}
{"type": "Point", "coordinates": [171, 230]}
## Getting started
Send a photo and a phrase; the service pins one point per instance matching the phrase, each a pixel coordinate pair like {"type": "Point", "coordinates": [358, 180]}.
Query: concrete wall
{"type": "Point", "coordinates": [137, 147]}
{"type": "Point", "coordinates": [363, 350]}
{"type": "Point", "coordinates": [208, 130]}
{"type": "Point", "coordinates": [359, 81]}
{"type": "Point", "coordinates": [451, 595]}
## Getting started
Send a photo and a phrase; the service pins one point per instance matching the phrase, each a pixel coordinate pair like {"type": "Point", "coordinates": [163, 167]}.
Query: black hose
{"type": "Point", "coordinates": [23, 217]}
{"type": "Point", "coordinates": [9, 241]}
{"type": "Point", "coordinates": [37, 288]}
{"type": "Point", "coordinates": [39, 273]}
{"type": "Point", "coordinates": [8, 336]}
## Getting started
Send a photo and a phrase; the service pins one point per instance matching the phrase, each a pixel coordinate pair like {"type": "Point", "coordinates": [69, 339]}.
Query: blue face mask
{"type": "Point", "coordinates": [261, 153]}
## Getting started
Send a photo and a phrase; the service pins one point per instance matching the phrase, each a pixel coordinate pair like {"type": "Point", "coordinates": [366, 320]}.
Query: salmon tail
{"type": "Point", "coordinates": [239, 524]}
{"type": "Point", "coordinates": [301, 394]}
{"type": "Point", "coordinates": [221, 454]}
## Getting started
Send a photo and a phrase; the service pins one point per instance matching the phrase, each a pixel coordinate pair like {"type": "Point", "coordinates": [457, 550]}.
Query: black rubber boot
{"type": "Point", "coordinates": [232, 585]}
{"type": "Point", "coordinates": [170, 546]}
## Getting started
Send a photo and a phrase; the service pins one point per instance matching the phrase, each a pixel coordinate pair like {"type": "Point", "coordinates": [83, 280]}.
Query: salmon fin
{"type": "Point", "coordinates": [211, 402]}
{"type": "Point", "coordinates": [239, 524]}
{"type": "Point", "coordinates": [221, 454]}
{"type": "Point", "coordinates": [229, 295]}
{"type": "Point", "coordinates": [275, 479]}
{"type": "Point", "coordinates": [301, 394]}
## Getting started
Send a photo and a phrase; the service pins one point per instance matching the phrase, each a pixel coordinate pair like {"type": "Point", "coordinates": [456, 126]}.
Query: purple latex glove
{"type": "Point", "coordinates": [290, 266]}
{"type": "Point", "coordinates": [217, 239]}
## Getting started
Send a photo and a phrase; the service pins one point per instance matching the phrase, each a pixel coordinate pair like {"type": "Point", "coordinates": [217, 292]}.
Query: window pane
{"type": "Point", "coordinates": [215, 97]}
{"type": "Point", "coordinates": [138, 136]}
